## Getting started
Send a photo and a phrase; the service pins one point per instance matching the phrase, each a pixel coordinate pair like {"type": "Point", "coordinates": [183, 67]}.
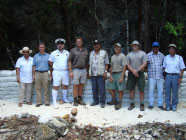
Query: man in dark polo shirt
{"type": "Point", "coordinates": [78, 62]}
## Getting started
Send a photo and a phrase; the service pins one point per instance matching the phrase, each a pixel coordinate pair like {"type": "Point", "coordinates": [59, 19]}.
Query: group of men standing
{"type": "Point", "coordinates": [78, 64]}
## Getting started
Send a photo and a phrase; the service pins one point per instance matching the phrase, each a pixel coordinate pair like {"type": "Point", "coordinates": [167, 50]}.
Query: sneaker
{"type": "Point", "coordinates": [150, 107]}
{"type": "Point", "coordinates": [38, 105]}
{"type": "Point", "coordinates": [47, 104]}
{"type": "Point", "coordinates": [55, 107]}
{"type": "Point", "coordinates": [112, 102]}
{"type": "Point", "coordinates": [94, 103]}
{"type": "Point", "coordinates": [142, 107]}
{"type": "Point", "coordinates": [66, 101]}
{"type": "Point", "coordinates": [80, 101]}
{"type": "Point", "coordinates": [75, 102]}
{"type": "Point", "coordinates": [132, 106]}
{"type": "Point", "coordinates": [168, 109]}
{"type": "Point", "coordinates": [174, 109]}
{"type": "Point", "coordinates": [118, 106]}
{"type": "Point", "coordinates": [102, 105]}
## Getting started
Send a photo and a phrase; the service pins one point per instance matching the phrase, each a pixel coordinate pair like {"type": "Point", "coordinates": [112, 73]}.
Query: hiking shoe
{"type": "Point", "coordinates": [132, 106]}
{"type": "Point", "coordinates": [38, 105]}
{"type": "Point", "coordinates": [75, 102]}
{"type": "Point", "coordinates": [80, 101]}
{"type": "Point", "coordinates": [161, 107]}
{"type": "Point", "coordinates": [118, 106]}
{"type": "Point", "coordinates": [142, 107]}
{"type": "Point", "coordinates": [112, 102]}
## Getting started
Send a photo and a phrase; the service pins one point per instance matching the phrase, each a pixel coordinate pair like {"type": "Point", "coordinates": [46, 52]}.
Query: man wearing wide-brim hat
{"type": "Point", "coordinates": [174, 67]}
{"type": "Point", "coordinates": [137, 61]}
{"type": "Point", "coordinates": [24, 75]}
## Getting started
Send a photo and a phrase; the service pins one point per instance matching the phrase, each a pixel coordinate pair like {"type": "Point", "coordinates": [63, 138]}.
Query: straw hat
{"type": "Point", "coordinates": [135, 43]}
{"type": "Point", "coordinates": [25, 49]}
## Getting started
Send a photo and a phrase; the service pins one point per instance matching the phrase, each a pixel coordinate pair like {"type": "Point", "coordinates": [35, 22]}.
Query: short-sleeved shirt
{"type": "Point", "coordinates": [136, 59]}
{"type": "Point", "coordinates": [173, 64]}
{"type": "Point", "coordinates": [25, 67]}
{"type": "Point", "coordinates": [59, 59]}
{"type": "Point", "coordinates": [79, 58]}
{"type": "Point", "coordinates": [155, 65]}
{"type": "Point", "coordinates": [118, 62]}
{"type": "Point", "coordinates": [41, 62]}
{"type": "Point", "coordinates": [95, 56]}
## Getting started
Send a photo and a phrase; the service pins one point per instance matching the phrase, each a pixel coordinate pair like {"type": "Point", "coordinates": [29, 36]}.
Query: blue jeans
{"type": "Point", "coordinates": [152, 85]}
{"type": "Point", "coordinates": [98, 84]}
{"type": "Point", "coordinates": [171, 83]}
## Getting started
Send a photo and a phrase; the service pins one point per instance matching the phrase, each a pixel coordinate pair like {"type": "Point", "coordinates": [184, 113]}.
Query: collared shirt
{"type": "Point", "coordinates": [79, 58]}
{"type": "Point", "coordinates": [94, 67]}
{"type": "Point", "coordinates": [155, 65]}
{"type": "Point", "coordinates": [136, 59]}
{"type": "Point", "coordinates": [41, 62]}
{"type": "Point", "coordinates": [173, 64]}
{"type": "Point", "coordinates": [59, 59]}
{"type": "Point", "coordinates": [118, 62]}
{"type": "Point", "coordinates": [25, 67]}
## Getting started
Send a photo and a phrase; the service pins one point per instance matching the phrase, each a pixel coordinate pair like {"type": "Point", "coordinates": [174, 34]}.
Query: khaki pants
{"type": "Point", "coordinates": [41, 81]}
{"type": "Point", "coordinates": [25, 88]}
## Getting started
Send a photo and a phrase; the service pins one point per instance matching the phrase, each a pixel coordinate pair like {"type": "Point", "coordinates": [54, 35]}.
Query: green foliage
{"type": "Point", "coordinates": [71, 2]}
{"type": "Point", "coordinates": [177, 31]}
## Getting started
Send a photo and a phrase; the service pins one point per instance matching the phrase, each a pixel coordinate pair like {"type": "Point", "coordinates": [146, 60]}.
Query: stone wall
{"type": "Point", "coordinates": [9, 89]}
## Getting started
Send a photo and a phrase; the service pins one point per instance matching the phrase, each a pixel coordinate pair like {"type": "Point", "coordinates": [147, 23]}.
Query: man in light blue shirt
{"type": "Point", "coordinates": [40, 74]}
{"type": "Point", "coordinates": [174, 67]}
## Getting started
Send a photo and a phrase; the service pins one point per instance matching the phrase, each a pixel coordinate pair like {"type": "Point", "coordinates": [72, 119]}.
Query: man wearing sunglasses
{"type": "Point", "coordinates": [155, 75]}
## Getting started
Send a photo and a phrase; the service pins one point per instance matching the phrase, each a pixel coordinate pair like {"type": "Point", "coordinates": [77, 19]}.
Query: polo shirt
{"type": "Point", "coordinates": [41, 62]}
{"type": "Point", "coordinates": [25, 67]}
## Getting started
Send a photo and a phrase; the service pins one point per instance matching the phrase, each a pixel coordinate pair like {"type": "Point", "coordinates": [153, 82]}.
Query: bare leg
{"type": "Point", "coordinates": [80, 89]}
{"type": "Point", "coordinates": [113, 94]}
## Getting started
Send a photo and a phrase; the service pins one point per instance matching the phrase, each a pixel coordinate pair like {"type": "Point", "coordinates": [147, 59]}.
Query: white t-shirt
{"type": "Point", "coordinates": [59, 59]}
{"type": "Point", "coordinates": [25, 69]}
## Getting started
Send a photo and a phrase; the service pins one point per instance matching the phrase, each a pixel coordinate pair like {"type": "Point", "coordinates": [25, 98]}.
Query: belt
{"type": "Point", "coordinates": [41, 71]}
{"type": "Point", "coordinates": [116, 72]}
{"type": "Point", "coordinates": [173, 73]}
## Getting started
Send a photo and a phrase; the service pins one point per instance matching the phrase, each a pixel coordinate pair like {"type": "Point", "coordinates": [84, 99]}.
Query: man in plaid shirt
{"type": "Point", "coordinates": [155, 75]}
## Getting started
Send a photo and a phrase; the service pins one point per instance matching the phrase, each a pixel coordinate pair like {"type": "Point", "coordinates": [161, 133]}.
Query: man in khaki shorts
{"type": "Point", "coordinates": [117, 74]}
{"type": "Point", "coordinates": [137, 61]}
{"type": "Point", "coordinates": [40, 74]}
{"type": "Point", "coordinates": [78, 64]}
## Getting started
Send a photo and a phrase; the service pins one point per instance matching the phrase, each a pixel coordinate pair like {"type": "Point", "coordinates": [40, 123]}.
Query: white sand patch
{"type": "Point", "coordinates": [97, 116]}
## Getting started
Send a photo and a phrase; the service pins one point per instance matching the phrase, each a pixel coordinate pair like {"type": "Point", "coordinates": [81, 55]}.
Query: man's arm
{"type": "Point", "coordinates": [181, 76]}
{"type": "Point", "coordinates": [70, 69]}
{"type": "Point", "coordinates": [33, 72]}
{"type": "Point", "coordinates": [142, 66]}
{"type": "Point", "coordinates": [51, 69]}
{"type": "Point", "coordinates": [105, 73]}
{"type": "Point", "coordinates": [123, 74]}
{"type": "Point", "coordinates": [18, 74]}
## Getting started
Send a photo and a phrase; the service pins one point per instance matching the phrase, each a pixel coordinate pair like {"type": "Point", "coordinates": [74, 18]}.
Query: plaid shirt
{"type": "Point", "coordinates": [155, 65]}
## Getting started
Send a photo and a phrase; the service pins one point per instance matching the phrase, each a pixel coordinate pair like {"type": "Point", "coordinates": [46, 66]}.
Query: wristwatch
{"type": "Point", "coordinates": [105, 71]}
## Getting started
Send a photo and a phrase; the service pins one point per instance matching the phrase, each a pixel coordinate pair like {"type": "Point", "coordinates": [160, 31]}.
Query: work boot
{"type": "Point", "coordinates": [132, 106]}
{"type": "Point", "coordinates": [80, 101]}
{"type": "Point", "coordinates": [142, 107]}
{"type": "Point", "coordinates": [75, 102]}
{"type": "Point", "coordinates": [112, 102]}
{"type": "Point", "coordinates": [118, 106]}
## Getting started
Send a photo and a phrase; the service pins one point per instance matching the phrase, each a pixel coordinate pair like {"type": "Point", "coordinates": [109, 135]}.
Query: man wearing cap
{"type": "Point", "coordinates": [40, 74]}
{"type": "Point", "coordinates": [98, 71]}
{"type": "Point", "coordinates": [117, 74]}
{"type": "Point", "coordinates": [174, 67]}
{"type": "Point", "coordinates": [137, 61]}
{"type": "Point", "coordinates": [155, 75]}
{"type": "Point", "coordinates": [58, 63]}
{"type": "Point", "coordinates": [24, 75]}
{"type": "Point", "coordinates": [78, 64]}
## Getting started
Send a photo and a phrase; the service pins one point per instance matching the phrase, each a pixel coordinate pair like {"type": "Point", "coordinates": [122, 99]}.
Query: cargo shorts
{"type": "Point", "coordinates": [80, 76]}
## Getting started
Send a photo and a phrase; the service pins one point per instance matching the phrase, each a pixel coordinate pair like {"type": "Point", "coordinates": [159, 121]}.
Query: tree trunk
{"type": "Point", "coordinates": [66, 23]}
{"type": "Point", "coordinates": [144, 15]}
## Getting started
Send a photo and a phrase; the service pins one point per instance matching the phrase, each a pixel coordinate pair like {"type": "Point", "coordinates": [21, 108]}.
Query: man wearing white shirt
{"type": "Point", "coordinates": [24, 75]}
{"type": "Point", "coordinates": [174, 67]}
{"type": "Point", "coordinates": [59, 71]}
